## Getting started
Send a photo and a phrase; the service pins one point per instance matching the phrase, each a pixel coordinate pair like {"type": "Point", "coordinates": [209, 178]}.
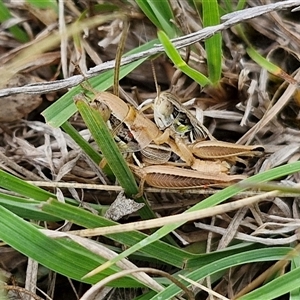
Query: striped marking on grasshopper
{"type": "Point", "coordinates": [219, 149]}
{"type": "Point", "coordinates": [163, 176]}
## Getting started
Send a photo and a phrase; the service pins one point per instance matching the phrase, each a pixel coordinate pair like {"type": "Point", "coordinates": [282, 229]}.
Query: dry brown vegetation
{"type": "Point", "coordinates": [250, 106]}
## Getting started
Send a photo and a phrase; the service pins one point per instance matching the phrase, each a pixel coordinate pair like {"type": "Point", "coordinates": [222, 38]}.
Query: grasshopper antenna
{"type": "Point", "coordinates": [85, 84]}
{"type": "Point", "coordinates": [119, 53]}
{"type": "Point", "coordinates": [157, 87]}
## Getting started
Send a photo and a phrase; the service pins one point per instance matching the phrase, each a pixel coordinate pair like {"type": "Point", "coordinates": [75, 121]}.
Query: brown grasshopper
{"type": "Point", "coordinates": [146, 132]}
{"type": "Point", "coordinates": [170, 132]}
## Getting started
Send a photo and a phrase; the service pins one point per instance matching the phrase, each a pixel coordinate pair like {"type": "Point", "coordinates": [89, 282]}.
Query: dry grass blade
{"type": "Point", "coordinates": [27, 55]}
{"type": "Point", "coordinates": [101, 284]}
{"type": "Point", "coordinates": [174, 219]}
{"type": "Point", "coordinates": [118, 58]}
{"type": "Point", "coordinates": [107, 253]}
{"type": "Point", "coordinates": [271, 113]}
{"type": "Point", "coordinates": [204, 288]}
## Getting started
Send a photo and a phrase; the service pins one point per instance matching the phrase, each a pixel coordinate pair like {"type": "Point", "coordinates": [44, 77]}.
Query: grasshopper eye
{"type": "Point", "coordinates": [102, 109]}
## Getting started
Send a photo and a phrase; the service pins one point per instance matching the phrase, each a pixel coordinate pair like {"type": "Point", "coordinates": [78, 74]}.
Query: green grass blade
{"type": "Point", "coordinates": [207, 258]}
{"type": "Point", "coordinates": [261, 255]}
{"type": "Point", "coordinates": [81, 142]}
{"type": "Point", "coordinates": [108, 146]}
{"type": "Point", "coordinates": [212, 201]}
{"type": "Point", "coordinates": [241, 4]}
{"type": "Point", "coordinates": [270, 67]}
{"type": "Point", "coordinates": [77, 215]}
{"type": "Point", "coordinates": [175, 57]}
{"type": "Point", "coordinates": [25, 208]}
{"type": "Point", "coordinates": [23, 188]}
{"type": "Point", "coordinates": [277, 287]}
{"type": "Point", "coordinates": [45, 4]}
{"type": "Point", "coordinates": [86, 147]}
{"type": "Point", "coordinates": [164, 14]}
{"type": "Point", "coordinates": [213, 45]}
{"type": "Point", "coordinates": [295, 263]}
{"type": "Point", "coordinates": [160, 250]}
{"type": "Point", "coordinates": [64, 257]}
{"type": "Point", "coordinates": [260, 60]}
{"type": "Point", "coordinates": [160, 14]}
{"type": "Point", "coordinates": [146, 8]}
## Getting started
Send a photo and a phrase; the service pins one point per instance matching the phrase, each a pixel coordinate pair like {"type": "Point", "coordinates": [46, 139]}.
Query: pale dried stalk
{"type": "Point", "coordinates": [185, 217]}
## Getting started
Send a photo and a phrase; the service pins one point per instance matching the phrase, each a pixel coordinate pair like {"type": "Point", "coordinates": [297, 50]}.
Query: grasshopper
{"type": "Point", "coordinates": [169, 131]}
{"type": "Point", "coordinates": [146, 132]}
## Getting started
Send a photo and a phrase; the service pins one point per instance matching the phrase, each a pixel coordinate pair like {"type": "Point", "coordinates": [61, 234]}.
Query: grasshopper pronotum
{"type": "Point", "coordinates": [164, 106]}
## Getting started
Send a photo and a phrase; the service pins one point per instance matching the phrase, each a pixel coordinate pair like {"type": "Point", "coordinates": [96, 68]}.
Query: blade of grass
{"type": "Point", "coordinates": [277, 287]}
{"type": "Point", "coordinates": [64, 257]}
{"type": "Point", "coordinates": [86, 147]}
{"type": "Point", "coordinates": [175, 57]}
{"type": "Point", "coordinates": [209, 202]}
{"type": "Point", "coordinates": [108, 146]}
{"type": "Point", "coordinates": [213, 45]}
{"type": "Point", "coordinates": [45, 4]}
{"type": "Point", "coordinates": [23, 57]}
{"type": "Point", "coordinates": [77, 215]}
{"type": "Point", "coordinates": [295, 264]}
{"type": "Point", "coordinates": [263, 62]}
{"type": "Point", "coordinates": [15, 30]}
{"type": "Point", "coordinates": [261, 255]}
{"type": "Point", "coordinates": [158, 249]}
{"type": "Point", "coordinates": [25, 208]}
{"type": "Point", "coordinates": [272, 68]}
{"type": "Point", "coordinates": [241, 4]}
{"type": "Point", "coordinates": [21, 187]}
{"type": "Point", "coordinates": [160, 14]}
{"type": "Point", "coordinates": [119, 53]}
